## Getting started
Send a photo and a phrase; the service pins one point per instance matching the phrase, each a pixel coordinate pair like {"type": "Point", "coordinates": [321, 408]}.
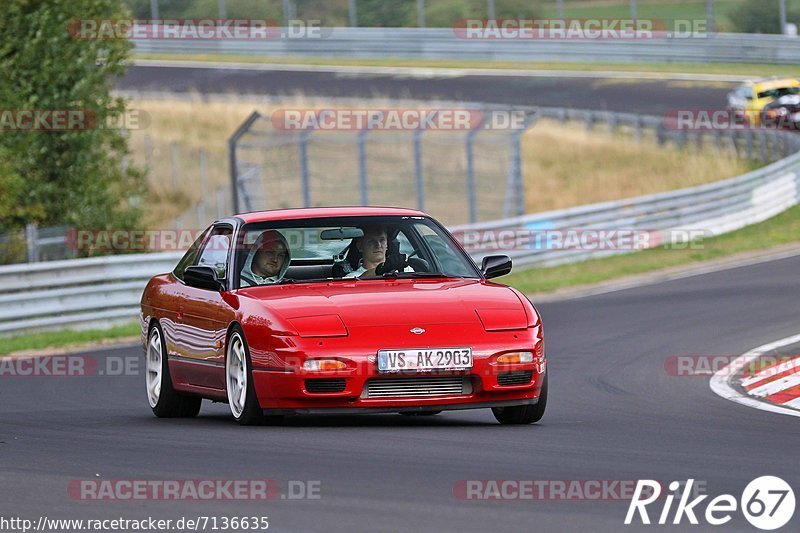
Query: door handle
{"type": "Point", "coordinates": [180, 312]}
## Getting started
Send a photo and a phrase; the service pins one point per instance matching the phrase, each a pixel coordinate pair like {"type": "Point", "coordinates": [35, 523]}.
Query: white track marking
{"type": "Point", "coordinates": [720, 382]}
{"type": "Point", "coordinates": [772, 371]}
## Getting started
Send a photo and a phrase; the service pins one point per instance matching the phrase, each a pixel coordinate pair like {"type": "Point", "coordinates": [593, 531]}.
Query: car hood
{"type": "Point", "coordinates": [365, 303]}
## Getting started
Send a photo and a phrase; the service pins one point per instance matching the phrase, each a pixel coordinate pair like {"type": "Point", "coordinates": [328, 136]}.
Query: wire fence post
{"type": "Point", "coordinates": [233, 167]}
{"type": "Point", "coordinates": [363, 184]}
{"type": "Point", "coordinates": [419, 179]}
{"type": "Point", "coordinates": [173, 150]}
{"type": "Point", "coordinates": [471, 193]}
{"type": "Point", "coordinates": [516, 162]}
{"type": "Point", "coordinates": [304, 177]}
{"type": "Point", "coordinates": [148, 156]}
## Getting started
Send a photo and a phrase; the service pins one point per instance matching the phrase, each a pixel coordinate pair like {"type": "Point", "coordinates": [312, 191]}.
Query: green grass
{"type": "Point", "coordinates": [734, 69]}
{"type": "Point", "coordinates": [65, 338]}
{"type": "Point", "coordinates": [652, 9]}
{"type": "Point", "coordinates": [781, 229]}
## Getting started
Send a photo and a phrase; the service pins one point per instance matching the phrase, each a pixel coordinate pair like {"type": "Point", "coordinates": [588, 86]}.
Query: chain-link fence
{"type": "Point", "coordinates": [459, 175]}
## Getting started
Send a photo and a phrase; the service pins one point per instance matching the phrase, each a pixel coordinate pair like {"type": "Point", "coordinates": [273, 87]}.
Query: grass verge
{"type": "Point", "coordinates": [733, 69]}
{"type": "Point", "coordinates": [65, 339]}
{"type": "Point", "coordinates": [781, 229]}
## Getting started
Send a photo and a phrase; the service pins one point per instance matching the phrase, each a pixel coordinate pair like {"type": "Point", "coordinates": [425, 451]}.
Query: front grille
{"type": "Point", "coordinates": [417, 386]}
{"type": "Point", "coordinates": [521, 377]}
{"type": "Point", "coordinates": [323, 386]}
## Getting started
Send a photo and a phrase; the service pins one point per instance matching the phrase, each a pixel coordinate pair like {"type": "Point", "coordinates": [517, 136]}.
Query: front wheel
{"type": "Point", "coordinates": [523, 414]}
{"type": "Point", "coordinates": [162, 397]}
{"type": "Point", "coordinates": [242, 397]}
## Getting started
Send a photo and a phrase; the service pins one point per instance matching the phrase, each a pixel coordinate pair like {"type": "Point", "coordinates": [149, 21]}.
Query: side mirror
{"type": "Point", "coordinates": [202, 277]}
{"type": "Point", "coordinates": [494, 266]}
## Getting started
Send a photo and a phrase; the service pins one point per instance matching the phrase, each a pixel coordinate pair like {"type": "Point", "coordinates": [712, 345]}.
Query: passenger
{"type": "Point", "coordinates": [267, 261]}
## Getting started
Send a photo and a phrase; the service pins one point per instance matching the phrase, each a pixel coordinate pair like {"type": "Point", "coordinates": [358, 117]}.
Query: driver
{"type": "Point", "coordinates": [372, 247]}
{"type": "Point", "coordinates": [267, 261]}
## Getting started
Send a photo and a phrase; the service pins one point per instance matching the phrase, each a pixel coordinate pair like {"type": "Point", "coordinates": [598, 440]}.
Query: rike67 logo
{"type": "Point", "coordinates": [767, 503]}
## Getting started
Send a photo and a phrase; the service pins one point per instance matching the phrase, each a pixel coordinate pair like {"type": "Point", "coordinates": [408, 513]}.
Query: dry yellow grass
{"type": "Point", "coordinates": [563, 165]}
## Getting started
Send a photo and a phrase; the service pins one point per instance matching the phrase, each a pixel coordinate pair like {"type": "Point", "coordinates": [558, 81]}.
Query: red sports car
{"type": "Point", "coordinates": [339, 310]}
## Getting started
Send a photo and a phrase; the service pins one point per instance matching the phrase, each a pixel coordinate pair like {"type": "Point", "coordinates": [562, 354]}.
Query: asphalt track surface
{"type": "Point", "coordinates": [614, 413]}
{"type": "Point", "coordinates": [643, 96]}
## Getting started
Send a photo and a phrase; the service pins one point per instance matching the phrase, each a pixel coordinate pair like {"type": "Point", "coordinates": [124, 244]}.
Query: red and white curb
{"type": "Point", "coordinates": [775, 388]}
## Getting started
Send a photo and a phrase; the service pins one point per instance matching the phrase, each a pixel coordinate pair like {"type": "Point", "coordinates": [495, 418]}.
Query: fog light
{"type": "Point", "coordinates": [323, 365]}
{"type": "Point", "coordinates": [516, 358]}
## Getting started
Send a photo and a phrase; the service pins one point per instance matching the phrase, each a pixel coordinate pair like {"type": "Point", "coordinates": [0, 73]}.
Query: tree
{"type": "Point", "coordinates": [760, 16]}
{"type": "Point", "coordinates": [70, 177]}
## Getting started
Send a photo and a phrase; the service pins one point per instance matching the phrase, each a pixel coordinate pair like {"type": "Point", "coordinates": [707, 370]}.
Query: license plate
{"type": "Point", "coordinates": [424, 359]}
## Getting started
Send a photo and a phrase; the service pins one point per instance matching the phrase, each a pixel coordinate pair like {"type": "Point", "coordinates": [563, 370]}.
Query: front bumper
{"type": "Point", "coordinates": [287, 392]}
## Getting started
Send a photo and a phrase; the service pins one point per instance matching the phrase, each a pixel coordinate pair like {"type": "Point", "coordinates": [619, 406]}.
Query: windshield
{"type": "Point", "coordinates": [777, 93]}
{"type": "Point", "coordinates": [351, 248]}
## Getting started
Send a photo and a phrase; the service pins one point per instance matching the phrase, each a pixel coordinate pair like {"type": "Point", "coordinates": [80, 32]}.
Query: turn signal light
{"type": "Point", "coordinates": [324, 365]}
{"type": "Point", "coordinates": [516, 358]}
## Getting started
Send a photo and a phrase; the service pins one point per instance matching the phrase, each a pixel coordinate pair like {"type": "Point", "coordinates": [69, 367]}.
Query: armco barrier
{"type": "Point", "coordinates": [99, 291]}
{"type": "Point", "coordinates": [442, 43]}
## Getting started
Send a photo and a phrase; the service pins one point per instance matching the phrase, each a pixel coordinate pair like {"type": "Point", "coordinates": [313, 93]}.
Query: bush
{"type": "Point", "coordinates": [760, 16]}
{"type": "Point", "coordinates": [63, 177]}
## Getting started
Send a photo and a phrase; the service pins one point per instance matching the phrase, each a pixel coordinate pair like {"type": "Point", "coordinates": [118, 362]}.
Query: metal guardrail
{"type": "Point", "coordinates": [99, 291]}
{"type": "Point", "coordinates": [442, 43]}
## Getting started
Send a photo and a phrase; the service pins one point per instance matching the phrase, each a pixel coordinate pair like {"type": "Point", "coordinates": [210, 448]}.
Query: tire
{"type": "Point", "coordinates": [422, 413]}
{"type": "Point", "coordinates": [523, 414]}
{"type": "Point", "coordinates": [242, 398]}
{"type": "Point", "coordinates": [162, 397]}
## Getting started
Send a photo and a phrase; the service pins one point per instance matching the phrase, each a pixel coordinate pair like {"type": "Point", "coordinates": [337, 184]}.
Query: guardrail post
{"type": "Point", "coordinates": [589, 121]}
{"type": "Point", "coordinates": [638, 128]}
{"type": "Point", "coordinates": [419, 181]}
{"type": "Point", "coordinates": [362, 167]}
{"type": "Point", "coordinates": [613, 123]}
{"type": "Point", "coordinates": [304, 177]}
{"type": "Point", "coordinates": [31, 242]}
{"type": "Point", "coordinates": [718, 140]}
{"type": "Point", "coordinates": [562, 115]}
{"type": "Point", "coordinates": [762, 146]}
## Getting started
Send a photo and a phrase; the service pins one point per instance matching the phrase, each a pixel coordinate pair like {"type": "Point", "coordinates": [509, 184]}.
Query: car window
{"type": "Point", "coordinates": [443, 250]}
{"type": "Point", "coordinates": [781, 91]}
{"type": "Point", "coordinates": [215, 251]}
{"type": "Point", "coordinates": [190, 256]}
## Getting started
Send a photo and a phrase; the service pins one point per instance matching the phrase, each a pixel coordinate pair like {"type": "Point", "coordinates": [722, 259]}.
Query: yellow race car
{"type": "Point", "coordinates": [751, 97]}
